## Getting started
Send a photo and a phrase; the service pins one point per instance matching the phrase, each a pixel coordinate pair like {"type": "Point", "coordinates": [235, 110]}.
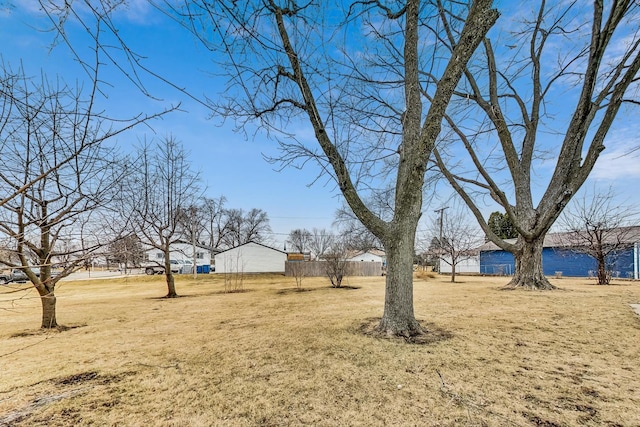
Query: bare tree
{"type": "Point", "coordinates": [298, 272]}
{"type": "Point", "coordinates": [242, 227]}
{"type": "Point", "coordinates": [600, 227]}
{"type": "Point", "coordinates": [61, 174]}
{"type": "Point", "coordinates": [162, 186]}
{"type": "Point", "coordinates": [320, 242]}
{"type": "Point", "coordinates": [372, 81]}
{"type": "Point", "coordinates": [126, 251]}
{"type": "Point", "coordinates": [456, 239]}
{"type": "Point", "coordinates": [255, 227]}
{"type": "Point", "coordinates": [233, 219]}
{"type": "Point", "coordinates": [233, 268]}
{"type": "Point", "coordinates": [505, 121]}
{"type": "Point", "coordinates": [336, 262]}
{"type": "Point", "coordinates": [300, 239]}
{"type": "Point", "coordinates": [355, 235]}
{"type": "Point", "coordinates": [213, 216]}
{"type": "Point", "coordinates": [365, 100]}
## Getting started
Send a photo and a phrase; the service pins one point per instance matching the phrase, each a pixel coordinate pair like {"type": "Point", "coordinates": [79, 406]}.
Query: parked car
{"type": "Point", "coordinates": [17, 275]}
{"type": "Point", "coordinates": [153, 268]}
{"type": "Point", "coordinates": [4, 279]}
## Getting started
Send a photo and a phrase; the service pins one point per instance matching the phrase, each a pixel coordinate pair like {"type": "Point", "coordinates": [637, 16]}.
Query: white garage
{"type": "Point", "coordinates": [250, 257]}
{"type": "Point", "coordinates": [371, 255]}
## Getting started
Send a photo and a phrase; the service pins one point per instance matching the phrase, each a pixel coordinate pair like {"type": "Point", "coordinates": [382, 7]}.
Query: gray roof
{"type": "Point", "coordinates": [629, 235]}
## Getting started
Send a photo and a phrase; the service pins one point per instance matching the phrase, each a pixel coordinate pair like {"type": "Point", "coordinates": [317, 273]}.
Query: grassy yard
{"type": "Point", "coordinates": [275, 356]}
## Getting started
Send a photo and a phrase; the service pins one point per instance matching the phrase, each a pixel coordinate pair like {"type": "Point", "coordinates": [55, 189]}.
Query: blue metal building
{"type": "Point", "coordinates": [558, 259]}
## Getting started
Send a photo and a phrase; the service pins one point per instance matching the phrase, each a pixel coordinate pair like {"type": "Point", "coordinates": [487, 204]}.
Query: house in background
{"type": "Point", "coordinates": [559, 259]}
{"type": "Point", "coordinates": [183, 251]}
{"type": "Point", "coordinates": [466, 265]}
{"type": "Point", "coordinates": [375, 255]}
{"type": "Point", "coordinates": [250, 257]}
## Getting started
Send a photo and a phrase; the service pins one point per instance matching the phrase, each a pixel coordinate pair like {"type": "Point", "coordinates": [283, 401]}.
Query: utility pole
{"type": "Point", "coordinates": [441, 213]}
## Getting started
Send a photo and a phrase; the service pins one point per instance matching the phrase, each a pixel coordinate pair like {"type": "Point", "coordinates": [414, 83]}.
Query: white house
{"type": "Point", "coordinates": [250, 257]}
{"type": "Point", "coordinates": [182, 251]}
{"type": "Point", "coordinates": [370, 255]}
{"type": "Point", "coordinates": [469, 264]}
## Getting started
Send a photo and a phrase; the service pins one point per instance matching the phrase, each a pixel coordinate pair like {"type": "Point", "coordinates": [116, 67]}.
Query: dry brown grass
{"type": "Point", "coordinates": [275, 356]}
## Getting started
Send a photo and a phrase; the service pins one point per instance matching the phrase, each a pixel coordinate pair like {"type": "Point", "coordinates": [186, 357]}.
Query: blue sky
{"type": "Point", "coordinates": [231, 164]}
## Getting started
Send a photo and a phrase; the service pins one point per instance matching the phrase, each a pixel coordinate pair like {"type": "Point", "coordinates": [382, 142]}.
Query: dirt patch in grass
{"type": "Point", "coordinates": [222, 292]}
{"type": "Point", "coordinates": [432, 333]}
{"type": "Point", "coordinates": [539, 422]}
{"type": "Point", "coordinates": [76, 378]}
{"type": "Point", "coordinates": [52, 393]}
{"type": "Point", "coordinates": [93, 377]}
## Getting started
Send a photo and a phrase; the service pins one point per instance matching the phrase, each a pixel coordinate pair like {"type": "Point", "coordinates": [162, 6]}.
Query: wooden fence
{"type": "Point", "coordinates": [319, 268]}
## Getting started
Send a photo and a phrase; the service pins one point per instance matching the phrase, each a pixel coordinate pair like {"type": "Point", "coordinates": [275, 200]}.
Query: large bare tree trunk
{"type": "Point", "coordinates": [529, 273]}
{"type": "Point", "coordinates": [398, 318]}
{"type": "Point", "coordinates": [48, 311]}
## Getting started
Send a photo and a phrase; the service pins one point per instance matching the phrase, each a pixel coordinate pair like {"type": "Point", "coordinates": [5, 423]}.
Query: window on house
{"type": "Point", "coordinates": [199, 255]}
{"type": "Point", "coordinates": [159, 255]}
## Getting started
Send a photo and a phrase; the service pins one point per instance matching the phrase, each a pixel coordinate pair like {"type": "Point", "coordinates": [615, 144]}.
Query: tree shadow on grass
{"type": "Point", "coordinates": [167, 298]}
{"type": "Point", "coordinates": [43, 331]}
{"type": "Point", "coordinates": [287, 291]}
{"type": "Point", "coordinates": [221, 292]}
{"type": "Point", "coordinates": [433, 333]}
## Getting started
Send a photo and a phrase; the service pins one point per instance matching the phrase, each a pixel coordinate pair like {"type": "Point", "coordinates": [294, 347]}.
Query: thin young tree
{"type": "Point", "coordinates": [457, 240]}
{"type": "Point", "coordinates": [336, 263]}
{"type": "Point", "coordinates": [61, 173]}
{"type": "Point", "coordinates": [162, 185]}
{"type": "Point", "coordinates": [596, 224]}
{"type": "Point", "coordinates": [533, 112]}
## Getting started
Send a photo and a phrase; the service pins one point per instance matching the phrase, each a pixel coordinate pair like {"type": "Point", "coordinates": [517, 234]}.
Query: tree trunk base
{"type": "Point", "coordinates": [529, 273]}
{"type": "Point", "coordinates": [407, 328]}
{"type": "Point", "coordinates": [533, 284]}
